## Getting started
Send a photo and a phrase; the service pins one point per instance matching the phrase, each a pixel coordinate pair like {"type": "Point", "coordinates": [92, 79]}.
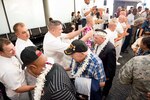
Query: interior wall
{"type": "Point", "coordinates": [3, 22]}
{"type": "Point", "coordinates": [61, 9]}
{"type": "Point", "coordinates": [29, 12]}
{"type": "Point", "coordinates": [123, 4]}
{"type": "Point", "coordinates": [110, 5]}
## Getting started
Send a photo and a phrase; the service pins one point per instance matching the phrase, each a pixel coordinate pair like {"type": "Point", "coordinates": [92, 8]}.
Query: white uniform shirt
{"type": "Point", "coordinates": [20, 45]}
{"type": "Point", "coordinates": [130, 18]}
{"type": "Point", "coordinates": [106, 17]}
{"type": "Point", "coordinates": [84, 10]}
{"type": "Point", "coordinates": [11, 75]}
{"type": "Point", "coordinates": [111, 35]}
{"type": "Point", "coordinates": [119, 28]}
{"type": "Point", "coordinates": [124, 25]}
{"type": "Point", "coordinates": [54, 47]}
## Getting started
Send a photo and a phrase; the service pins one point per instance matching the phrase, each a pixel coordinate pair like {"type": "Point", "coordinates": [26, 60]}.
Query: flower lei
{"type": "Point", "coordinates": [41, 81]}
{"type": "Point", "coordinates": [101, 47]}
{"type": "Point", "coordinates": [82, 67]}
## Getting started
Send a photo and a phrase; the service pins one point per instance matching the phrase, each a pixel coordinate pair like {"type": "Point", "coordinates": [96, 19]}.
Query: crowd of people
{"type": "Point", "coordinates": [82, 62]}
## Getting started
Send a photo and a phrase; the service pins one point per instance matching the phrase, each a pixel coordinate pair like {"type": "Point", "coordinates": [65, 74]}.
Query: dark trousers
{"type": "Point", "coordinates": [76, 26]}
{"type": "Point", "coordinates": [105, 26]}
{"type": "Point", "coordinates": [83, 22]}
{"type": "Point", "coordinates": [95, 94]}
{"type": "Point", "coordinates": [127, 40]}
{"type": "Point", "coordinates": [95, 91]}
{"type": "Point", "coordinates": [107, 87]}
{"type": "Point", "coordinates": [3, 92]}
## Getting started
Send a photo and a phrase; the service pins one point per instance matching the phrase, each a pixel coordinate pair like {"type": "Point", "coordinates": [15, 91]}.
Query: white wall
{"type": "Point", "coordinates": [61, 9]}
{"type": "Point", "coordinates": [3, 23]}
{"type": "Point", "coordinates": [79, 4]}
{"type": "Point", "coordinates": [29, 12]}
{"type": "Point", "coordinates": [147, 3]}
{"type": "Point", "coordinates": [110, 5]}
{"type": "Point", "coordinates": [100, 4]}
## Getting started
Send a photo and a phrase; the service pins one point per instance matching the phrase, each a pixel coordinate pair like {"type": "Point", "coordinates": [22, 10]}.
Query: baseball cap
{"type": "Point", "coordinates": [76, 46]}
{"type": "Point", "coordinates": [29, 55]}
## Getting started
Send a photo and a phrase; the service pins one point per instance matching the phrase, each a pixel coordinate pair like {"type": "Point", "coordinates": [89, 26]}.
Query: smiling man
{"type": "Point", "coordinates": [11, 73]}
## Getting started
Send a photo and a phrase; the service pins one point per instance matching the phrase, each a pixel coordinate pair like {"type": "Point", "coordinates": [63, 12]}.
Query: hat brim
{"type": "Point", "coordinates": [68, 51]}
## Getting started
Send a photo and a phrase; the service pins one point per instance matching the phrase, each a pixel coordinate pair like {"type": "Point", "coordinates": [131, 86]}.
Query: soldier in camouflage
{"type": "Point", "coordinates": [137, 73]}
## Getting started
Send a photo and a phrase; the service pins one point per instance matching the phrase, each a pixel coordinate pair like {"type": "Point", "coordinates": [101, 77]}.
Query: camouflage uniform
{"type": "Point", "coordinates": [137, 73]}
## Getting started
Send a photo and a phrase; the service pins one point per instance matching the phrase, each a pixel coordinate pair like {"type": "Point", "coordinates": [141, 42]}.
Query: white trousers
{"type": "Point", "coordinates": [118, 48]}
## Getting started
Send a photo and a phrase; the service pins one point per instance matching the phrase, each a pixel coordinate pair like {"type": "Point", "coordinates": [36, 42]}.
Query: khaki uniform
{"type": "Point", "coordinates": [137, 73]}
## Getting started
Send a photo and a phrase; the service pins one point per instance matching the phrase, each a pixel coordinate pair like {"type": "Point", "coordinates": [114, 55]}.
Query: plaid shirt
{"type": "Point", "coordinates": [94, 68]}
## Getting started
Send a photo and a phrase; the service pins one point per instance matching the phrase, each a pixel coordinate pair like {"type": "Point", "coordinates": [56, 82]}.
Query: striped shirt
{"type": "Point", "coordinates": [58, 85]}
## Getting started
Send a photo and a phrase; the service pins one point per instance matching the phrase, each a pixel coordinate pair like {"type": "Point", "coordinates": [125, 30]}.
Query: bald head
{"type": "Point", "coordinates": [123, 13]}
{"type": "Point", "coordinates": [112, 24]}
{"type": "Point", "coordinates": [89, 20]}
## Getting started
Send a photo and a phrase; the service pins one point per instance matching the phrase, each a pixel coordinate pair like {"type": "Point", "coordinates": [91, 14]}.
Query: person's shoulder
{"type": "Point", "coordinates": [140, 63]}
{"type": "Point", "coordinates": [5, 65]}
{"type": "Point", "coordinates": [18, 42]}
{"type": "Point", "coordinates": [109, 46]}
{"type": "Point", "coordinates": [57, 67]}
{"type": "Point", "coordinates": [140, 59]}
{"type": "Point", "coordinates": [47, 34]}
{"type": "Point", "coordinates": [49, 38]}
{"type": "Point", "coordinates": [129, 16]}
{"type": "Point", "coordinates": [95, 59]}
{"type": "Point", "coordinates": [84, 5]}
